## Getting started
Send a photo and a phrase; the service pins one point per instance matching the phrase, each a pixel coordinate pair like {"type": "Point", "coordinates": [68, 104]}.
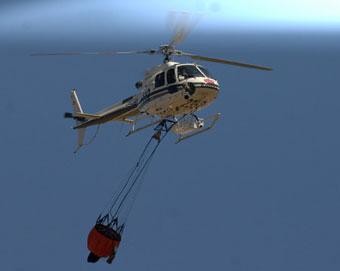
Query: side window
{"type": "Point", "coordinates": [159, 80]}
{"type": "Point", "coordinates": [170, 76]}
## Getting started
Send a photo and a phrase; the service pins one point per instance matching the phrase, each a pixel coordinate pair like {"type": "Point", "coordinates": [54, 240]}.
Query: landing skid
{"type": "Point", "coordinates": [138, 129]}
{"type": "Point", "coordinates": [166, 124]}
{"type": "Point", "coordinates": [213, 119]}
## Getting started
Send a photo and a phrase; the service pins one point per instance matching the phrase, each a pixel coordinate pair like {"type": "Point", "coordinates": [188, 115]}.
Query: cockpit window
{"type": "Point", "coordinates": [159, 80]}
{"type": "Point", "coordinates": [170, 76]}
{"type": "Point", "coordinates": [188, 71]}
{"type": "Point", "coordinates": [205, 71]}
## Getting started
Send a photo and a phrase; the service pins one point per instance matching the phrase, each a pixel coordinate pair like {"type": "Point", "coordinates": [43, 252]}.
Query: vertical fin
{"type": "Point", "coordinates": [78, 109]}
{"type": "Point", "coordinates": [75, 102]}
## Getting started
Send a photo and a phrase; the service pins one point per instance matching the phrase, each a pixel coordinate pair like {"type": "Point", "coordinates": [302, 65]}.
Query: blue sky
{"type": "Point", "coordinates": [260, 191]}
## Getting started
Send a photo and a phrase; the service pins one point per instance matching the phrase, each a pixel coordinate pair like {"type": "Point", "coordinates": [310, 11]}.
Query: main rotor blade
{"type": "Point", "coordinates": [182, 24]}
{"type": "Point", "coordinates": [229, 62]}
{"type": "Point", "coordinates": [108, 53]}
{"type": "Point", "coordinates": [179, 36]}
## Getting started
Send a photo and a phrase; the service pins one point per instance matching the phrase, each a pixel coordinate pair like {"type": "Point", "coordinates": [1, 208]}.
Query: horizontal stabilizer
{"type": "Point", "coordinates": [86, 116]}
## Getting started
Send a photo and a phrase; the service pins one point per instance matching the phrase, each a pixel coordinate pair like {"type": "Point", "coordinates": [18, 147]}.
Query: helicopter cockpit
{"type": "Point", "coordinates": [205, 71]}
{"type": "Point", "coordinates": [175, 73]}
{"type": "Point", "coordinates": [190, 71]}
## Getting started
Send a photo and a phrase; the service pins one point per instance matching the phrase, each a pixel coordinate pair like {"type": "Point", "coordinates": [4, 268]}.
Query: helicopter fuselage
{"type": "Point", "coordinates": [169, 90]}
{"type": "Point", "coordinates": [183, 98]}
{"type": "Point", "coordinates": [173, 89]}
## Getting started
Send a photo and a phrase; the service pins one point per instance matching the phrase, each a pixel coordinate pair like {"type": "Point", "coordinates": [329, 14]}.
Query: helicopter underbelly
{"type": "Point", "coordinates": [181, 102]}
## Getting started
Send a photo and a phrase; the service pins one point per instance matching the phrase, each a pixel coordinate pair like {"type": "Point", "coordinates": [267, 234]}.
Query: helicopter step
{"type": "Point", "coordinates": [193, 125]}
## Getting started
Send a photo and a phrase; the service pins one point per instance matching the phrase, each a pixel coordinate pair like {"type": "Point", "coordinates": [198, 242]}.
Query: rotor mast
{"type": "Point", "coordinates": [167, 51]}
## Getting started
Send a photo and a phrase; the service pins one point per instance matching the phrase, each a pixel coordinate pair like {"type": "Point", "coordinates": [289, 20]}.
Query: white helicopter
{"type": "Point", "coordinates": [170, 91]}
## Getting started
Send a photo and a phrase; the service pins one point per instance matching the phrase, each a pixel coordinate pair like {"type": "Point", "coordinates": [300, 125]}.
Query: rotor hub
{"type": "Point", "coordinates": [168, 51]}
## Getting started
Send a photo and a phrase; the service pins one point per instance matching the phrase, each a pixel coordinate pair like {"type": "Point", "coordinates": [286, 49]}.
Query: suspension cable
{"type": "Point", "coordinates": [148, 160]}
{"type": "Point", "coordinates": [135, 176]}
{"type": "Point", "coordinates": [136, 179]}
{"type": "Point", "coordinates": [130, 176]}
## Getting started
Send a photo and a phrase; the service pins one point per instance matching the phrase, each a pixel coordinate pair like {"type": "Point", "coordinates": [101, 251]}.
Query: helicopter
{"type": "Point", "coordinates": [171, 91]}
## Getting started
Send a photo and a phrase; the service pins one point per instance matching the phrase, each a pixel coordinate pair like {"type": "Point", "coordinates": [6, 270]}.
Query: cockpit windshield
{"type": "Point", "coordinates": [188, 71]}
{"type": "Point", "coordinates": [205, 71]}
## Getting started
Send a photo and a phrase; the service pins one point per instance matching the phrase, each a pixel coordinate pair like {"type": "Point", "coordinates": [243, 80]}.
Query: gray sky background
{"type": "Point", "coordinates": [259, 192]}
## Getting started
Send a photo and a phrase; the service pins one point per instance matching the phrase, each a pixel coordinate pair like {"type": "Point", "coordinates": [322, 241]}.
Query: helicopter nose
{"type": "Point", "coordinates": [210, 81]}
